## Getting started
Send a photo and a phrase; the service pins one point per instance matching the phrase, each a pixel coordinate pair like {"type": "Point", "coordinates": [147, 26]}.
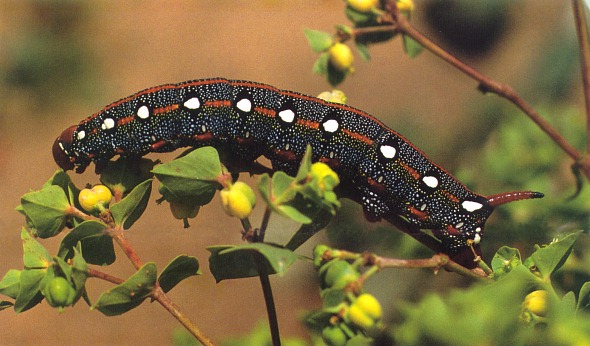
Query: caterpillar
{"type": "Point", "coordinates": [377, 166]}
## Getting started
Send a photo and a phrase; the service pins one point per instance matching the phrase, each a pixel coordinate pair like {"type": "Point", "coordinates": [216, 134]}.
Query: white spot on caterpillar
{"type": "Point", "coordinates": [423, 207]}
{"type": "Point", "coordinates": [247, 134]}
{"type": "Point", "coordinates": [203, 128]}
{"type": "Point", "coordinates": [287, 115]}
{"type": "Point", "coordinates": [81, 135]}
{"type": "Point", "coordinates": [192, 103]}
{"type": "Point", "coordinates": [331, 154]}
{"type": "Point", "coordinates": [471, 205]}
{"type": "Point", "coordinates": [153, 138]}
{"type": "Point", "coordinates": [288, 146]}
{"type": "Point", "coordinates": [331, 126]}
{"type": "Point", "coordinates": [430, 181]}
{"type": "Point", "coordinates": [459, 225]}
{"type": "Point", "coordinates": [380, 179]}
{"type": "Point", "coordinates": [143, 112]}
{"type": "Point", "coordinates": [107, 124]}
{"type": "Point", "coordinates": [388, 151]}
{"type": "Point", "coordinates": [478, 229]}
{"type": "Point", "coordinates": [476, 239]}
{"type": "Point", "coordinates": [244, 105]}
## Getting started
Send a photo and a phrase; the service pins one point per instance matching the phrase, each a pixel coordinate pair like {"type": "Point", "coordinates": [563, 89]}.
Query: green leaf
{"type": "Point", "coordinates": [320, 66]}
{"type": "Point", "coordinates": [129, 209]}
{"type": "Point", "coordinates": [130, 294]}
{"type": "Point", "coordinates": [193, 176]}
{"type": "Point", "coordinates": [179, 269]}
{"type": "Point", "coordinates": [79, 271]}
{"type": "Point", "coordinates": [359, 18]}
{"type": "Point", "coordinates": [5, 304]}
{"type": "Point", "coordinates": [363, 51]}
{"type": "Point", "coordinates": [126, 173]}
{"type": "Point", "coordinates": [233, 262]}
{"type": "Point", "coordinates": [505, 259]}
{"type": "Point", "coordinates": [298, 210]}
{"type": "Point", "coordinates": [10, 283]}
{"type": "Point", "coordinates": [29, 294]}
{"type": "Point", "coordinates": [276, 190]}
{"type": "Point", "coordinates": [97, 246]}
{"type": "Point", "coordinates": [583, 300]}
{"type": "Point", "coordinates": [306, 231]}
{"type": "Point", "coordinates": [35, 256]}
{"type": "Point", "coordinates": [319, 41]}
{"type": "Point", "coordinates": [305, 166]}
{"type": "Point", "coordinates": [488, 314]}
{"type": "Point", "coordinates": [47, 210]}
{"type": "Point", "coordinates": [548, 259]}
{"type": "Point", "coordinates": [63, 180]}
{"type": "Point", "coordinates": [411, 47]}
{"type": "Point", "coordinates": [568, 302]}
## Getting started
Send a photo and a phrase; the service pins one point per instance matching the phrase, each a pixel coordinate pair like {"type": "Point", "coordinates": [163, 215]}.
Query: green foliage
{"type": "Point", "coordinates": [46, 210]}
{"type": "Point", "coordinates": [130, 294]}
{"type": "Point", "coordinates": [260, 336]}
{"type": "Point", "coordinates": [130, 208]}
{"type": "Point", "coordinates": [476, 313]}
{"type": "Point", "coordinates": [298, 198]}
{"type": "Point", "coordinates": [98, 246]}
{"type": "Point", "coordinates": [193, 176]}
{"type": "Point", "coordinates": [123, 175]}
{"type": "Point", "coordinates": [178, 269]}
{"type": "Point", "coordinates": [234, 262]}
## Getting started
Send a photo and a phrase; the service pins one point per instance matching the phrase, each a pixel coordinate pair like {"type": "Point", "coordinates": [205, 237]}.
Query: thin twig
{"type": "Point", "coordinates": [157, 293]}
{"type": "Point", "coordinates": [104, 276]}
{"type": "Point", "coordinates": [271, 311]}
{"type": "Point", "coordinates": [167, 303]}
{"type": "Point", "coordinates": [582, 31]}
{"type": "Point", "coordinates": [118, 235]}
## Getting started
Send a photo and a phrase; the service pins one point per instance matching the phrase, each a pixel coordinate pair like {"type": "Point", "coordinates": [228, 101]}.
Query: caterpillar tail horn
{"type": "Point", "coordinates": [507, 197]}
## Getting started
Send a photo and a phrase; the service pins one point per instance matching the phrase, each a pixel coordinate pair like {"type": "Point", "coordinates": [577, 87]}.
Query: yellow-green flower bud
{"type": "Point", "coordinates": [59, 292]}
{"type": "Point", "coordinates": [238, 200]}
{"type": "Point", "coordinates": [405, 5]}
{"type": "Point", "coordinates": [334, 336]}
{"type": "Point", "coordinates": [95, 199]}
{"type": "Point", "coordinates": [363, 6]}
{"type": "Point", "coordinates": [365, 312]}
{"type": "Point", "coordinates": [336, 96]}
{"type": "Point", "coordinates": [327, 178]}
{"type": "Point", "coordinates": [341, 57]}
{"type": "Point", "coordinates": [536, 302]}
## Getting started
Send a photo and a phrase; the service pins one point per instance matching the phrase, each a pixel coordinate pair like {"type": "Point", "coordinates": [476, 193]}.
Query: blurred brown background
{"type": "Point", "coordinates": [62, 61]}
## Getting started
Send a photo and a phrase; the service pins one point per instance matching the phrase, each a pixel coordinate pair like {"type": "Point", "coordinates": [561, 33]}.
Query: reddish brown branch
{"type": "Point", "coordinates": [161, 297]}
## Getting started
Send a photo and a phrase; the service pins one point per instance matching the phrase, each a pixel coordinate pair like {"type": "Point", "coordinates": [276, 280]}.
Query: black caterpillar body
{"type": "Point", "coordinates": [388, 174]}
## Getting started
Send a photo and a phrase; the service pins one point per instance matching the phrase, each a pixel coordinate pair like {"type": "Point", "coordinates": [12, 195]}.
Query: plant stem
{"type": "Point", "coordinates": [582, 31]}
{"type": "Point", "coordinates": [102, 275]}
{"type": "Point", "coordinates": [437, 261]}
{"type": "Point", "coordinates": [269, 300]}
{"type": "Point", "coordinates": [157, 293]}
{"type": "Point", "coordinates": [167, 303]}
{"type": "Point", "coordinates": [271, 311]}
{"type": "Point", "coordinates": [118, 235]}
{"type": "Point", "coordinates": [264, 223]}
